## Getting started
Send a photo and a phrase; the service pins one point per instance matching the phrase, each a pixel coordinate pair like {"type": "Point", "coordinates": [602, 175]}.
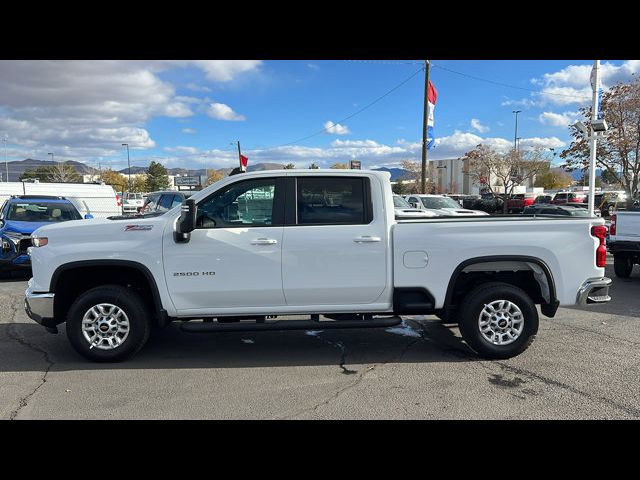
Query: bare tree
{"type": "Point", "coordinates": [489, 168]}
{"type": "Point", "coordinates": [618, 150]}
{"type": "Point", "coordinates": [63, 172]}
{"type": "Point", "coordinates": [414, 170]}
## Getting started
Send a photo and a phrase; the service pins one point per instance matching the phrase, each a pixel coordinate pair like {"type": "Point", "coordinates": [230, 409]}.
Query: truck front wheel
{"type": "Point", "coordinates": [498, 320]}
{"type": "Point", "coordinates": [622, 265]}
{"type": "Point", "coordinates": [108, 324]}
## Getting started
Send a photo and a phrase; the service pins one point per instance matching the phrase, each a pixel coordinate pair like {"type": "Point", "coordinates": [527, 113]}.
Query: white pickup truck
{"type": "Point", "coordinates": [321, 243]}
{"type": "Point", "coordinates": [624, 241]}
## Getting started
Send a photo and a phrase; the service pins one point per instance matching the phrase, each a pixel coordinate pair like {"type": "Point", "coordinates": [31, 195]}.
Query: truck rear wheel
{"type": "Point", "coordinates": [108, 324]}
{"type": "Point", "coordinates": [498, 320]}
{"type": "Point", "coordinates": [622, 265]}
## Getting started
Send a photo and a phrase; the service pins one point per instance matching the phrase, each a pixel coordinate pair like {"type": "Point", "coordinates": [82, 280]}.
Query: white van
{"type": "Point", "coordinates": [99, 200]}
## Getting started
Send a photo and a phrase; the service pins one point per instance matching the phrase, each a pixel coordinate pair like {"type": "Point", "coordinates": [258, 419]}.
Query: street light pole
{"type": "Point", "coordinates": [592, 158]}
{"type": "Point", "coordinates": [129, 164]}
{"type": "Point", "coordinates": [515, 137]}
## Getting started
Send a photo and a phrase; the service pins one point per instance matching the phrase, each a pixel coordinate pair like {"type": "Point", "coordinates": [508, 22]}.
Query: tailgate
{"type": "Point", "coordinates": [628, 225]}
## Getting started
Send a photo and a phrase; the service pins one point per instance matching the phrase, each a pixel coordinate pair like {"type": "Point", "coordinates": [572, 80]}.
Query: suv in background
{"type": "Point", "coordinates": [519, 201]}
{"type": "Point", "coordinates": [164, 201]}
{"type": "Point", "coordinates": [20, 216]}
{"type": "Point", "coordinates": [543, 199]}
{"type": "Point", "coordinates": [132, 202]}
{"type": "Point", "coordinates": [561, 198]}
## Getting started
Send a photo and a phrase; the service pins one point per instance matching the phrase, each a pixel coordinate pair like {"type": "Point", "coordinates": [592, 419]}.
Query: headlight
{"type": "Point", "coordinates": [39, 241]}
{"type": "Point", "coordinates": [15, 237]}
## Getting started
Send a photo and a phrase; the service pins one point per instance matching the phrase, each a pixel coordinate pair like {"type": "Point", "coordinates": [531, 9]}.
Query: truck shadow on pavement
{"type": "Point", "coordinates": [350, 350]}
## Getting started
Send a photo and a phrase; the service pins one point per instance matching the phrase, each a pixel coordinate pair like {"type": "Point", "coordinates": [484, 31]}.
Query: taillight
{"type": "Point", "coordinates": [612, 228]}
{"type": "Point", "coordinates": [600, 232]}
{"type": "Point", "coordinates": [118, 201]}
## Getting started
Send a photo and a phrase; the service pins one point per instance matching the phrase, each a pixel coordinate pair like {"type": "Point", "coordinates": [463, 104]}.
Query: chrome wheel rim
{"type": "Point", "coordinates": [105, 326]}
{"type": "Point", "coordinates": [501, 322]}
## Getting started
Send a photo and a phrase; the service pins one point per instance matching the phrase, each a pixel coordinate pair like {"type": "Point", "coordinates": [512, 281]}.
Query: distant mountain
{"type": "Point", "coordinates": [201, 171]}
{"type": "Point", "coordinates": [396, 173]}
{"type": "Point", "coordinates": [577, 174]}
{"type": "Point", "coordinates": [17, 167]}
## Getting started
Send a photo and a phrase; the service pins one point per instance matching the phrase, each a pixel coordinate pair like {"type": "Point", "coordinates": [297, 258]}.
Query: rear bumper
{"type": "Point", "coordinates": [624, 246]}
{"type": "Point", "coordinates": [39, 306]}
{"type": "Point", "coordinates": [594, 290]}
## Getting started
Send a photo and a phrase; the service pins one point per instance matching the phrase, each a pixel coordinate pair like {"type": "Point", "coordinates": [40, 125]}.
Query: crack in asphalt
{"type": "Point", "coordinates": [595, 332]}
{"type": "Point", "coordinates": [14, 335]}
{"type": "Point", "coordinates": [358, 380]}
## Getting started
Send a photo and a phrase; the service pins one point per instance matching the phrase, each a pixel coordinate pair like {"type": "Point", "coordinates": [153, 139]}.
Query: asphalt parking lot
{"type": "Point", "coordinates": [584, 364]}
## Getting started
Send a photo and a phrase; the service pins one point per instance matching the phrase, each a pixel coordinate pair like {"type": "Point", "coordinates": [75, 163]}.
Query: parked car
{"type": "Point", "coordinates": [624, 242]}
{"type": "Point", "coordinates": [563, 210]}
{"type": "Point", "coordinates": [610, 202]}
{"type": "Point", "coordinates": [561, 198]}
{"type": "Point", "coordinates": [519, 201]}
{"type": "Point", "coordinates": [404, 210]}
{"type": "Point", "coordinates": [440, 205]}
{"type": "Point", "coordinates": [163, 201]}
{"type": "Point", "coordinates": [20, 215]}
{"type": "Point", "coordinates": [259, 245]}
{"type": "Point", "coordinates": [470, 202]}
{"type": "Point", "coordinates": [545, 199]}
{"type": "Point", "coordinates": [132, 202]}
{"type": "Point", "coordinates": [490, 203]}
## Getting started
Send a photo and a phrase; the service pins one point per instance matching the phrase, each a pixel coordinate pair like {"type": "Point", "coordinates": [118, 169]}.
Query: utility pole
{"type": "Point", "coordinates": [128, 163]}
{"type": "Point", "coordinates": [423, 180]}
{"type": "Point", "coordinates": [6, 165]}
{"type": "Point", "coordinates": [594, 116]}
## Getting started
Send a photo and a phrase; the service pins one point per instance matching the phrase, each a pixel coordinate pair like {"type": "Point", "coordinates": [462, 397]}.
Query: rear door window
{"type": "Point", "coordinates": [333, 201]}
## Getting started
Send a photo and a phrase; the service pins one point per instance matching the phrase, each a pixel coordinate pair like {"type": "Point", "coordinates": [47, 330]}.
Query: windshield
{"type": "Point", "coordinates": [42, 212]}
{"type": "Point", "coordinates": [439, 202]}
{"type": "Point", "coordinates": [134, 196]}
{"type": "Point", "coordinates": [400, 202]}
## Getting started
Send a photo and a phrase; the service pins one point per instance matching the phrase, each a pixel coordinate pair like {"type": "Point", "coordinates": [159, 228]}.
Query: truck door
{"type": "Point", "coordinates": [334, 246]}
{"type": "Point", "coordinates": [234, 256]}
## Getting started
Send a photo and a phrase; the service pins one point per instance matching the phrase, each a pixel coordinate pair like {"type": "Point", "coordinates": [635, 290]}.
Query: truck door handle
{"type": "Point", "coordinates": [264, 241]}
{"type": "Point", "coordinates": [367, 239]}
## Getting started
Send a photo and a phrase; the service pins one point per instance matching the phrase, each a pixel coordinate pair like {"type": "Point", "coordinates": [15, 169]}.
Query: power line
{"type": "Point", "coordinates": [345, 118]}
{"type": "Point", "coordinates": [506, 84]}
{"type": "Point", "coordinates": [385, 62]}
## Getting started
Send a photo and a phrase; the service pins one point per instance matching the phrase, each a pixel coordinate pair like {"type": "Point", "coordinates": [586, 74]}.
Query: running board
{"type": "Point", "coordinates": [202, 327]}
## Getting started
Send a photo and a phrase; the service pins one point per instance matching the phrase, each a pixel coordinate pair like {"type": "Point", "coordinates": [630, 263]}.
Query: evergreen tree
{"type": "Point", "coordinates": [157, 177]}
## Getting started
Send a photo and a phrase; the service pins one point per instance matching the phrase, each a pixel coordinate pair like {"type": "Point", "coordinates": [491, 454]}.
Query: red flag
{"type": "Point", "coordinates": [243, 162]}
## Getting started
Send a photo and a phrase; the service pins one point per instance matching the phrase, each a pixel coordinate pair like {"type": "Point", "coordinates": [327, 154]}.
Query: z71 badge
{"type": "Point", "coordinates": [131, 228]}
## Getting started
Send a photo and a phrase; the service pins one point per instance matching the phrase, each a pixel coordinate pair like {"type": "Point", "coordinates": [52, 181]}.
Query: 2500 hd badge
{"type": "Point", "coordinates": [192, 274]}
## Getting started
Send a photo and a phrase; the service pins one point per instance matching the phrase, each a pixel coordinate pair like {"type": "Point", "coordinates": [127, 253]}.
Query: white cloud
{"type": "Point", "coordinates": [194, 87]}
{"type": "Point", "coordinates": [189, 130]}
{"type": "Point", "coordinates": [572, 85]}
{"type": "Point", "coordinates": [336, 128]}
{"type": "Point", "coordinates": [88, 108]}
{"type": "Point", "coordinates": [181, 149]}
{"type": "Point", "coordinates": [313, 66]}
{"type": "Point", "coordinates": [558, 119]}
{"type": "Point", "coordinates": [478, 127]}
{"type": "Point", "coordinates": [222, 111]}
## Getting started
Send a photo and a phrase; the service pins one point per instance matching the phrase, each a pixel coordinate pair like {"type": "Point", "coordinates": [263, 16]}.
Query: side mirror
{"type": "Point", "coordinates": [88, 215]}
{"type": "Point", "coordinates": [187, 221]}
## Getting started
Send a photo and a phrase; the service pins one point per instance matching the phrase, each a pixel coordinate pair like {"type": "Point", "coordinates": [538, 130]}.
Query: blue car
{"type": "Point", "coordinates": [20, 216]}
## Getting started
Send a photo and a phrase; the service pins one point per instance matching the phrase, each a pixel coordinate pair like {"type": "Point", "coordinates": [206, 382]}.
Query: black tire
{"type": "Point", "coordinates": [474, 303]}
{"type": "Point", "coordinates": [622, 265]}
{"type": "Point", "coordinates": [125, 299]}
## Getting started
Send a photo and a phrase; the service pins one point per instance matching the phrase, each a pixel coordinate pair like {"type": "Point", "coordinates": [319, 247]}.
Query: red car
{"type": "Point", "coordinates": [561, 198]}
{"type": "Point", "coordinates": [517, 203]}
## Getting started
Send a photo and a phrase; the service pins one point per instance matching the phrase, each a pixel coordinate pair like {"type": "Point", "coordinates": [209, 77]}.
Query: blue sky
{"type": "Point", "coordinates": [187, 113]}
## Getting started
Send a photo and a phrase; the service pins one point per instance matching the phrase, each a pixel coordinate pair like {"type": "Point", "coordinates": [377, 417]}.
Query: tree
{"type": "Point", "coordinates": [552, 180]}
{"type": "Point", "coordinates": [314, 166]}
{"type": "Point", "coordinates": [400, 188]}
{"type": "Point", "coordinates": [618, 149]}
{"type": "Point", "coordinates": [61, 172]}
{"type": "Point", "coordinates": [585, 180]}
{"type": "Point", "coordinates": [138, 183]}
{"type": "Point", "coordinates": [157, 177]}
{"type": "Point", "coordinates": [414, 172]}
{"type": "Point", "coordinates": [115, 179]}
{"type": "Point", "coordinates": [505, 169]}
{"type": "Point", "coordinates": [213, 177]}
{"type": "Point", "coordinates": [289, 166]}
{"type": "Point", "coordinates": [39, 173]}
{"type": "Point", "coordinates": [340, 166]}
{"type": "Point", "coordinates": [608, 178]}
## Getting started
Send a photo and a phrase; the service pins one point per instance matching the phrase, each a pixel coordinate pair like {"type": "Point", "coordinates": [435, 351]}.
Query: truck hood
{"type": "Point", "coordinates": [25, 228]}
{"type": "Point", "coordinates": [457, 211]}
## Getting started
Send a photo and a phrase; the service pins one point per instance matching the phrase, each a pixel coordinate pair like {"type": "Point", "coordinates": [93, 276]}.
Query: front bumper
{"type": "Point", "coordinates": [39, 306]}
{"type": "Point", "coordinates": [594, 290]}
